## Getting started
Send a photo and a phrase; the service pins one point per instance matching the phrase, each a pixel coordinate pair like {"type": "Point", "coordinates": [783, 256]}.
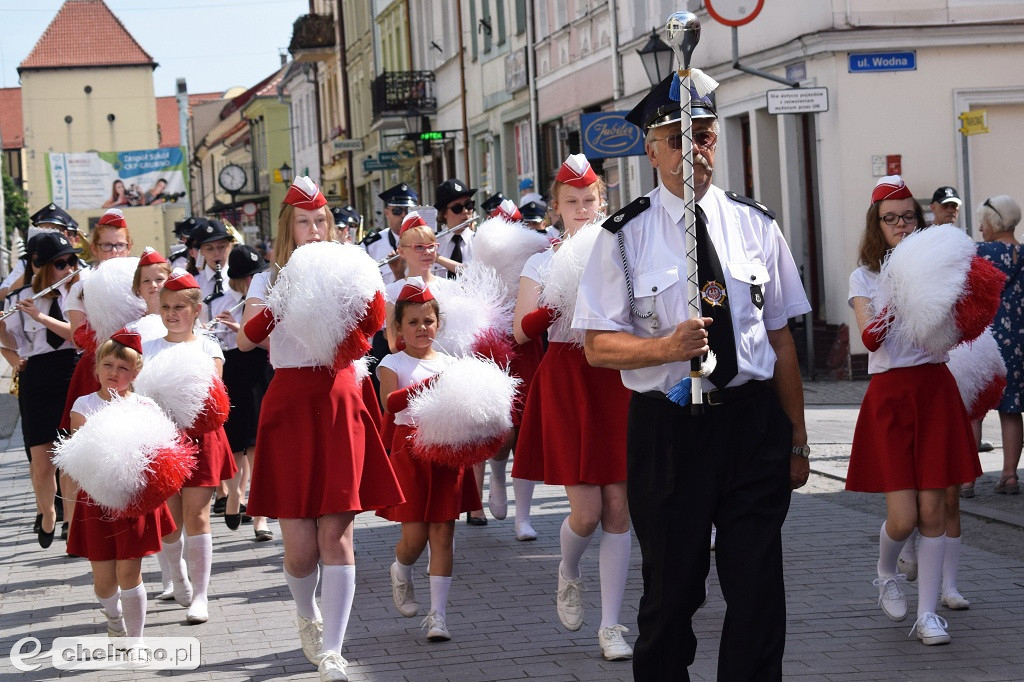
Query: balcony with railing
{"type": "Point", "coordinates": [313, 38]}
{"type": "Point", "coordinates": [403, 93]}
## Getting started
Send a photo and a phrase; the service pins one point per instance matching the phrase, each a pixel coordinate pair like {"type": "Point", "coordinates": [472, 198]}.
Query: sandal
{"type": "Point", "coordinates": [264, 535]}
{"type": "Point", "coordinates": [1004, 487]}
{"type": "Point", "coordinates": [967, 490]}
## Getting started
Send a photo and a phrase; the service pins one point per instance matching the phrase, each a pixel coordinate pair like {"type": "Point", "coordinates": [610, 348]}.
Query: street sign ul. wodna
{"type": "Point", "coordinates": [607, 134]}
{"type": "Point", "coordinates": [862, 62]}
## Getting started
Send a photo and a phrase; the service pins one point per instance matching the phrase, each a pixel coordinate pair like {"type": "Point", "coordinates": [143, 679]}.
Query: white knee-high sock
{"type": "Point", "coordinates": [405, 572]}
{"type": "Point", "coordinates": [133, 602]}
{"type": "Point", "coordinates": [165, 569]}
{"type": "Point", "coordinates": [930, 553]}
{"type": "Point", "coordinates": [200, 562]}
{"type": "Point", "coordinates": [613, 566]}
{"type": "Point", "coordinates": [950, 565]}
{"type": "Point", "coordinates": [888, 552]}
{"type": "Point", "coordinates": [523, 490]}
{"type": "Point", "coordinates": [909, 551]}
{"type": "Point", "coordinates": [573, 547]}
{"type": "Point", "coordinates": [111, 604]}
{"type": "Point", "coordinates": [175, 561]}
{"type": "Point", "coordinates": [304, 593]}
{"type": "Point", "coordinates": [439, 586]}
{"type": "Point", "coordinates": [336, 595]}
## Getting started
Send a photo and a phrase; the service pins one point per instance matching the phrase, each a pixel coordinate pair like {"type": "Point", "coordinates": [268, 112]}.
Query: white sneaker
{"type": "Point", "coordinates": [437, 631]}
{"type": "Point", "coordinates": [183, 592]}
{"type": "Point", "coordinates": [311, 634]}
{"type": "Point", "coordinates": [613, 647]}
{"type": "Point", "coordinates": [890, 596]}
{"type": "Point", "coordinates": [931, 629]}
{"type": "Point", "coordinates": [525, 532]}
{"type": "Point", "coordinates": [332, 668]}
{"type": "Point", "coordinates": [403, 594]}
{"type": "Point", "coordinates": [907, 567]}
{"type": "Point", "coordinates": [115, 626]}
{"type": "Point", "coordinates": [198, 612]}
{"type": "Point", "coordinates": [952, 599]}
{"type": "Point", "coordinates": [168, 591]}
{"type": "Point", "coordinates": [569, 602]}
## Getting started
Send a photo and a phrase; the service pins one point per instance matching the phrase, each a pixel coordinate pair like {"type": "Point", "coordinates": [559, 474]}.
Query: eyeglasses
{"type": "Point", "coordinates": [107, 247]}
{"type": "Point", "coordinates": [423, 248]}
{"type": "Point", "coordinates": [705, 139]}
{"type": "Point", "coordinates": [398, 210]}
{"type": "Point", "coordinates": [459, 208]}
{"type": "Point", "coordinates": [908, 218]}
{"type": "Point", "coordinates": [65, 263]}
{"type": "Point", "coordinates": [988, 202]}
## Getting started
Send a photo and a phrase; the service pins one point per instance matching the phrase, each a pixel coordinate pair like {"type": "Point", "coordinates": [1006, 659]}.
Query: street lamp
{"type": "Point", "coordinates": [656, 57]}
{"type": "Point", "coordinates": [286, 173]}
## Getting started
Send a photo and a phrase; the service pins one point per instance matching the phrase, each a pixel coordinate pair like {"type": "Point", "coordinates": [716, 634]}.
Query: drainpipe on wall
{"type": "Point", "coordinates": [531, 76]}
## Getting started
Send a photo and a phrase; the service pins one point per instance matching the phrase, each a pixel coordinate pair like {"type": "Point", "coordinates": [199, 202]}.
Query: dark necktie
{"type": "Point", "coordinates": [218, 287]}
{"type": "Point", "coordinates": [456, 252]}
{"type": "Point", "coordinates": [715, 304]}
{"type": "Point", "coordinates": [391, 239]}
{"type": "Point", "coordinates": [53, 338]}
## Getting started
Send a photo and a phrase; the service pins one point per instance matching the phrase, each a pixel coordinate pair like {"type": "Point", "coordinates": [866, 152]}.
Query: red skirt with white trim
{"type": "Point", "coordinates": [317, 449]}
{"type": "Point", "coordinates": [524, 365]}
{"type": "Point", "coordinates": [912, 433]}
{"type": "Point", "coordinates": [574, 422]}
{"type": "Point", "coordinates": [215, 461]}
{"type": "Point", "coordinates": [433, 492]}
{"type": "Point", "coordinates": [97, 537]}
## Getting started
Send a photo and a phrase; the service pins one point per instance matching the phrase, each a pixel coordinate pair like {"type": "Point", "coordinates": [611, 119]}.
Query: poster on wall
{"type": "Point", "coordinates": [92, 180]}
{"type": "Point", "coordinates": [607, 134]}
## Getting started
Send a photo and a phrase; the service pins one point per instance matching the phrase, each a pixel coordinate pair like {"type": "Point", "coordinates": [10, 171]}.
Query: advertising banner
{"type": "Point", "coordinates": [91, 180]}
{"type": "Point", "coordinates": [608, 134]}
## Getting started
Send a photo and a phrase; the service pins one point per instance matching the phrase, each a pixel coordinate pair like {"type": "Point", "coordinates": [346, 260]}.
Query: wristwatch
{"type": "Point", "coordinates": [802, 451]}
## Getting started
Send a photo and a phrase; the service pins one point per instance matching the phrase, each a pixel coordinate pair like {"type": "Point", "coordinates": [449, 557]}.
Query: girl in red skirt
{"type": "Point", "coordinates": [115, 547]}
{"type": "Point", "coordinates": [435, 495]}
{"type": "Point", "coordinates": [180, 305]}
{"type": "Point", "coordinates": [319, 458]}
{"type": "Point", "coordinates": [913, 439]}
{"type": "Point", "coordinates": [584, 447]}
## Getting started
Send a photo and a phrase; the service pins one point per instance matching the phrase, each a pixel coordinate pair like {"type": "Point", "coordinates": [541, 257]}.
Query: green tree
{"type": "Point", "coordinates": [15, 209]}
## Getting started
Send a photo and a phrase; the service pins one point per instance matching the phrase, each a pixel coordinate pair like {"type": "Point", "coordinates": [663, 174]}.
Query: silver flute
{"type": "Point", "coordinates": [389, 259]}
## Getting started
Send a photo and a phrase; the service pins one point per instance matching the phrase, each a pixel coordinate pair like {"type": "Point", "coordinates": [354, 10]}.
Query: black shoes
{"type": "Point", "coordinates": [38, 525]}
{"type": "Point", "coordinates": [46, 538]}
{"type": "Point", "coordinates": [474, 521]}
{"type": "Point", "coordinates": [232, 521]}
{"type": "Point", "coordinates": [219, 505]}
{"type": "Point", "coordinates": [264, 536]}
{"type": "Point", "coordinates": [64, 531]}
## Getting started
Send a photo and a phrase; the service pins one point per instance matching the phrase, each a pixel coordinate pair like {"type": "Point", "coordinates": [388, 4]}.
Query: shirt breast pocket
{"type": "Point", "coordinates": [650, 290]}
{"type": "Point", "coordinates": [749, 280]}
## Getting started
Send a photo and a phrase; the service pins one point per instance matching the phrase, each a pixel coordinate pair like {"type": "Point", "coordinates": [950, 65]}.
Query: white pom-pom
{"type": "Point", "coordinates": [178, 379]}
{"type": "Point", "coordinates": [109, 301]}
{"type": "Point", "coordinates": [322, 293]}
{"type": "Point", "coordinates": [506, 247]}
{"type": "Point", "coordinates": [974, 365]}
{"type": "Point", "coordinates": [562, 274]}
{"type": "Point", "coordinates": [110, 454]}
{"type": "Point", "coordinates": [471, 305]}
{"type": "Point", "coordinates": [920, 282]}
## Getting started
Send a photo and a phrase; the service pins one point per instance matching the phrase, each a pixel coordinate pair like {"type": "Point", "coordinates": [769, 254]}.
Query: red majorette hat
{"type": "Point", "coordinates": [416, 291]}
{"type": "Point", "coordinates": [128, 338]}
{"type": "Point", "coordinates": [151, 256]}
{"type": "Point", "coordinates": [576, 171]}
{"type": "Point", "coordinates": [890, 187]}
{"type": "Point", "coordinates": [411, 220]}
{"type": "Point", "coordinates": [508, 210]}
{"type": "Point", "coordinates": [113, 218]}
{"type": "Point", "coordinates": [180, 279]}
{"type": "Point", "coordinates": [305, 194]}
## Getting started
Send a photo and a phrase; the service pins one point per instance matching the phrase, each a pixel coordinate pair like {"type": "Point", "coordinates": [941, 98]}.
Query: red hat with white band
{"type": "Point", "coordinates": [151, 256]}
{"type": "Point", "coordinates": [890, 187]}
{"type": "Point", "coordinates": [508, 210]}
{"type": "Point", "coordinates": [305, 194]}
{"type": "Point", "coordinates": [128, 338]}
{"type": "Point", "coordinates": [411, 220]}
{"type": "Point", "coordinates": [113, 218]}
{"type": "Point", "coordinates": [415, 291]}
{"type": "Point", "coordinates": [181, 279]}
{"type": "Point", "coordinates": [576, 171]}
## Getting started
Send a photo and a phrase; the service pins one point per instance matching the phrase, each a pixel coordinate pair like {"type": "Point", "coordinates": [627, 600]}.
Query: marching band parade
{"type": "Point", "coordinates": [641, 360]}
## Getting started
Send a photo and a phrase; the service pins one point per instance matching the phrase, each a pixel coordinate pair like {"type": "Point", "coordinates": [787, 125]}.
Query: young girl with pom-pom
{"type": "Point", "coordinates": [916, 465]}
{"type": "Point", "coordinates": [180, 306]}
{"type": "Point", "coordinates": [584, 448]}
{"type": "Point", "coordinates": [321, 460]}
{"type": "Point", "coordinates": [115, 546]}
{"type": "Point", "coordinates": [150, 276]}
{"type": "Point", "coordinates": [436, 495]}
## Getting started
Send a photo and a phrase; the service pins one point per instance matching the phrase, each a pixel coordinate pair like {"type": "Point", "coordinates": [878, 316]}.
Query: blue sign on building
{"type": "Point", "coordinates": [883, 61]}
{"type": "Point", "coordinates": [607, 134]}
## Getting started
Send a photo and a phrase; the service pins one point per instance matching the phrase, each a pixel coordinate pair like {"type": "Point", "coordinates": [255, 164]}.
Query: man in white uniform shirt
{"type": "Point", "coordinates": [455, 208]}
{"type": "Point", "coordinates": [733, 463]}
{"type": "Point", "coordinates": [398, 201]}
{"type": "Point", "coordinates": [214, 243]}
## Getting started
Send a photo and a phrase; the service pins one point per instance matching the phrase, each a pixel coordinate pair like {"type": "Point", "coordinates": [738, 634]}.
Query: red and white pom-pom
{"type": "Point", "coordinates": [359, 340]}
{"type": "Point", "coordinates": [215, 410]}
{"type": "Point", "coordinates": [128, 457]}
{"type": "Point", "coordinates": [85, 338]}
{"type": "Point", "coordinates": [920, 283]}
{"type": "Point", "coordinates": [110, 303]}
{"type": "Point", "coordinates": [980, 374]}
{"type": "Point", "coordinates": [322, 294]}
{"type": "Point", "coordinates": [977, 308]}
{"type": "Point", "coordinates": [563, 273]}
{"type": "Point", "coordinates": [506, 247]}
{"type": "Point", "coordinates": [460, 437]}
{"type": "Point", "coordinates": [497, 345]}
{"type": "Point", "coordinates": [179, 379]}
{"type": "Point", "coordinates": [471, 305]}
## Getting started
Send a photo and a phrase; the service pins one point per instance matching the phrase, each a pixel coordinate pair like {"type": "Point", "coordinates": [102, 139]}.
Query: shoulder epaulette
{"type": "Point", "coordinates": [738, 198]}
{"type": "Point", "coordinates": [631, 210]}
{"type": "Point", "coordinates": [370, 239]}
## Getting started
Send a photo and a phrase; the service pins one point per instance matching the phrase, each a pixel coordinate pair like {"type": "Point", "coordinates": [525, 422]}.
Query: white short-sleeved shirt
{"type": "Point", "coordinates": [285, 351]}
{"type": "Point", "coordinates": [561, 329]}
{"type": "Point", "coordinates": [76, 296]}
{"type": "Point", "coordinates": [90, 403]}
{"type": "Point", "coordinates": [29, 334]}
{"type": "Point", "coordinates": [411, 370]}
{"type": "Point", "coordinates": [16, 271]}
{"type": "Point", "coordinates": [206, 279]}
{"type": "Point", "coordinates": [209, 346]}
{"type": "Point", "coordinates": [391, 291]}
{"type": "Point", "coordinates": [753, 253]}
{"type": "Point", "coordinates": [445, 246]}
{"type": "Point", "coordinates": [383, 244]}
{"type": "Point", "coordinates": [890, 355]}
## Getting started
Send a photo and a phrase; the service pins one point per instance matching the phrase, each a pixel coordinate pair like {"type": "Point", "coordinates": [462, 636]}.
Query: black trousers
{"type": "Point", "coordinates": [728, 466]}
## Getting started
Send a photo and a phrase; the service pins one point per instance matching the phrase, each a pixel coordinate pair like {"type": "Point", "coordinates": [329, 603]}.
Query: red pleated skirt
{"type": "Point", "coordinates": [97, 537]}
{"type": "Point", "coordinates": [524, 365]}
{"type": "Point", "coordinates": [912, 433]}
{"type": "Point", "coordinates": [214, 463]}
{"type": "Point", "coordinates": [574, 422]}
{"type": "Point", "coordinates": [317, 449]}
{"type": "Point", "coordinates": [433, 492]}
{"type": "Point", "coordinates": [372, 404]}
{"type": "Point", "coordinates": [83, 382]}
